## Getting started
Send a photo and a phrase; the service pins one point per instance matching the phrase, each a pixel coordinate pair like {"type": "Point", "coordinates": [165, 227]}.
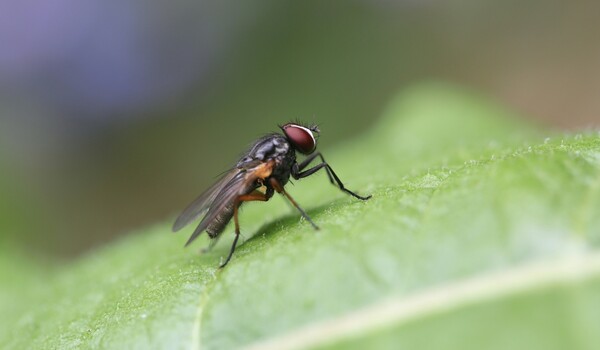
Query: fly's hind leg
{"type": "Point", "coordinates": [253, 196]}
{"type": "Point", "coordinates": [213, 242]}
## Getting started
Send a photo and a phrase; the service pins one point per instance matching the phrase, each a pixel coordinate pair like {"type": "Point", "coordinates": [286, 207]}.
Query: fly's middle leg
{"type": "Point", "coordinates": [277, 186]}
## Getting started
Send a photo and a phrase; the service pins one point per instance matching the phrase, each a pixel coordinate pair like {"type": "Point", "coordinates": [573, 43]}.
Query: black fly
{"type": "Point", "coordinates": [268, 166]}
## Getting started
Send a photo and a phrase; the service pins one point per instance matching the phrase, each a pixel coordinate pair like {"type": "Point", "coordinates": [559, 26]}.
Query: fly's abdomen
{"type": "Point", "coordinates": [221, 220]}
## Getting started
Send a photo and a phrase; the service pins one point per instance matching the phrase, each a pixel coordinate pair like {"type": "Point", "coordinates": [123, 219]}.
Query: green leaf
{"type": "Point", "coordinates": [482, 232]}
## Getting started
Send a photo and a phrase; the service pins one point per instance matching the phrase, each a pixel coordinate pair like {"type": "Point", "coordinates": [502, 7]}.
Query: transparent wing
{"type": "Point", "coordinates": [201, 204]}
{"type": "Point", "coordinates": [242, 183]}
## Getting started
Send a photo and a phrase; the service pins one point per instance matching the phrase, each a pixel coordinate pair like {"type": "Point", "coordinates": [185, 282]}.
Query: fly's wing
{"type": "Point", "coordinates": [201, 204]}
{"type": "Point", "coordinates": [242, 183]}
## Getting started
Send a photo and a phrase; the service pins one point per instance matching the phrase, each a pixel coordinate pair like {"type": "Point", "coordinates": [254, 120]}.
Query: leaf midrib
{"type": "Point", "coordinates": [402, 309]}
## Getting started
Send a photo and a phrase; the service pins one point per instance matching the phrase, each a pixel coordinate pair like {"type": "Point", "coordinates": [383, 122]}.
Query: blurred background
{"type": "Point", "coordinates": [114, 115]}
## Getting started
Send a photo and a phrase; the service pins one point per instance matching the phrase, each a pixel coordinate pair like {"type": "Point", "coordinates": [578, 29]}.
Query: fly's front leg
{"type": "Point", "coordinates": [297, 173]}
{"type": "Point", "coordinates": [298, 167]}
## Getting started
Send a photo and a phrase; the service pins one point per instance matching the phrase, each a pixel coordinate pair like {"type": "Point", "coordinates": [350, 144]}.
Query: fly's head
{"type": "Point", "coordinates": [302, 138]}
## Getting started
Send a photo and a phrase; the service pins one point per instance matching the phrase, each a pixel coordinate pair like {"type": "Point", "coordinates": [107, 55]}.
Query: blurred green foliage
{"type": "Point", "coordinates": [460, 189]}
{"type": "Point", "coordinates": [91, 174]}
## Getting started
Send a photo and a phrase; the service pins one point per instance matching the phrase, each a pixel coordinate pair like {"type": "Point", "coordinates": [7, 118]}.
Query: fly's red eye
{"type": "Point", "coordinates": [301, 138]}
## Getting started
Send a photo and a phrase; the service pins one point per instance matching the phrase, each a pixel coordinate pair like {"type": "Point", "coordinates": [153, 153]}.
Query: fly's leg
{"type": "Point", "coordinates": [237, 235]}
{"type": "Point", "coordinates": [297, 173]}
{"type": "Point", "coordinates": [277, 186]}
{"type": "Point", "coordinates": [299, 167]}
{"type": "Point", "coordinates": [211, 245]}
{"type": "Point", "coordinates": [253, 196]}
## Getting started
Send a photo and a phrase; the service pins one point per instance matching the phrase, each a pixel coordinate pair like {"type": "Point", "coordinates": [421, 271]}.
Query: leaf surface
{"type": "Point", "coordinates": [463, 193]}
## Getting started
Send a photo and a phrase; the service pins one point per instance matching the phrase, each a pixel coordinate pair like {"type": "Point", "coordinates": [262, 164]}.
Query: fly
{"type": "Point", "coordinates": [262, 171]}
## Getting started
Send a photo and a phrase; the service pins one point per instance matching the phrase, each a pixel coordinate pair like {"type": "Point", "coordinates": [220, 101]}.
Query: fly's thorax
{"type": "Point", "coordinates": [267, 147]}
{"type": "Point", "coordinates": [283, 166]}
{"type": "Point", "coordinates": [282, 146]}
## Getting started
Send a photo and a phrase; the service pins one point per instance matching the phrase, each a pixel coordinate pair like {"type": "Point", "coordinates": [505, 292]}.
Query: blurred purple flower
{"type": "Point", "coordinates": [109, 58]}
